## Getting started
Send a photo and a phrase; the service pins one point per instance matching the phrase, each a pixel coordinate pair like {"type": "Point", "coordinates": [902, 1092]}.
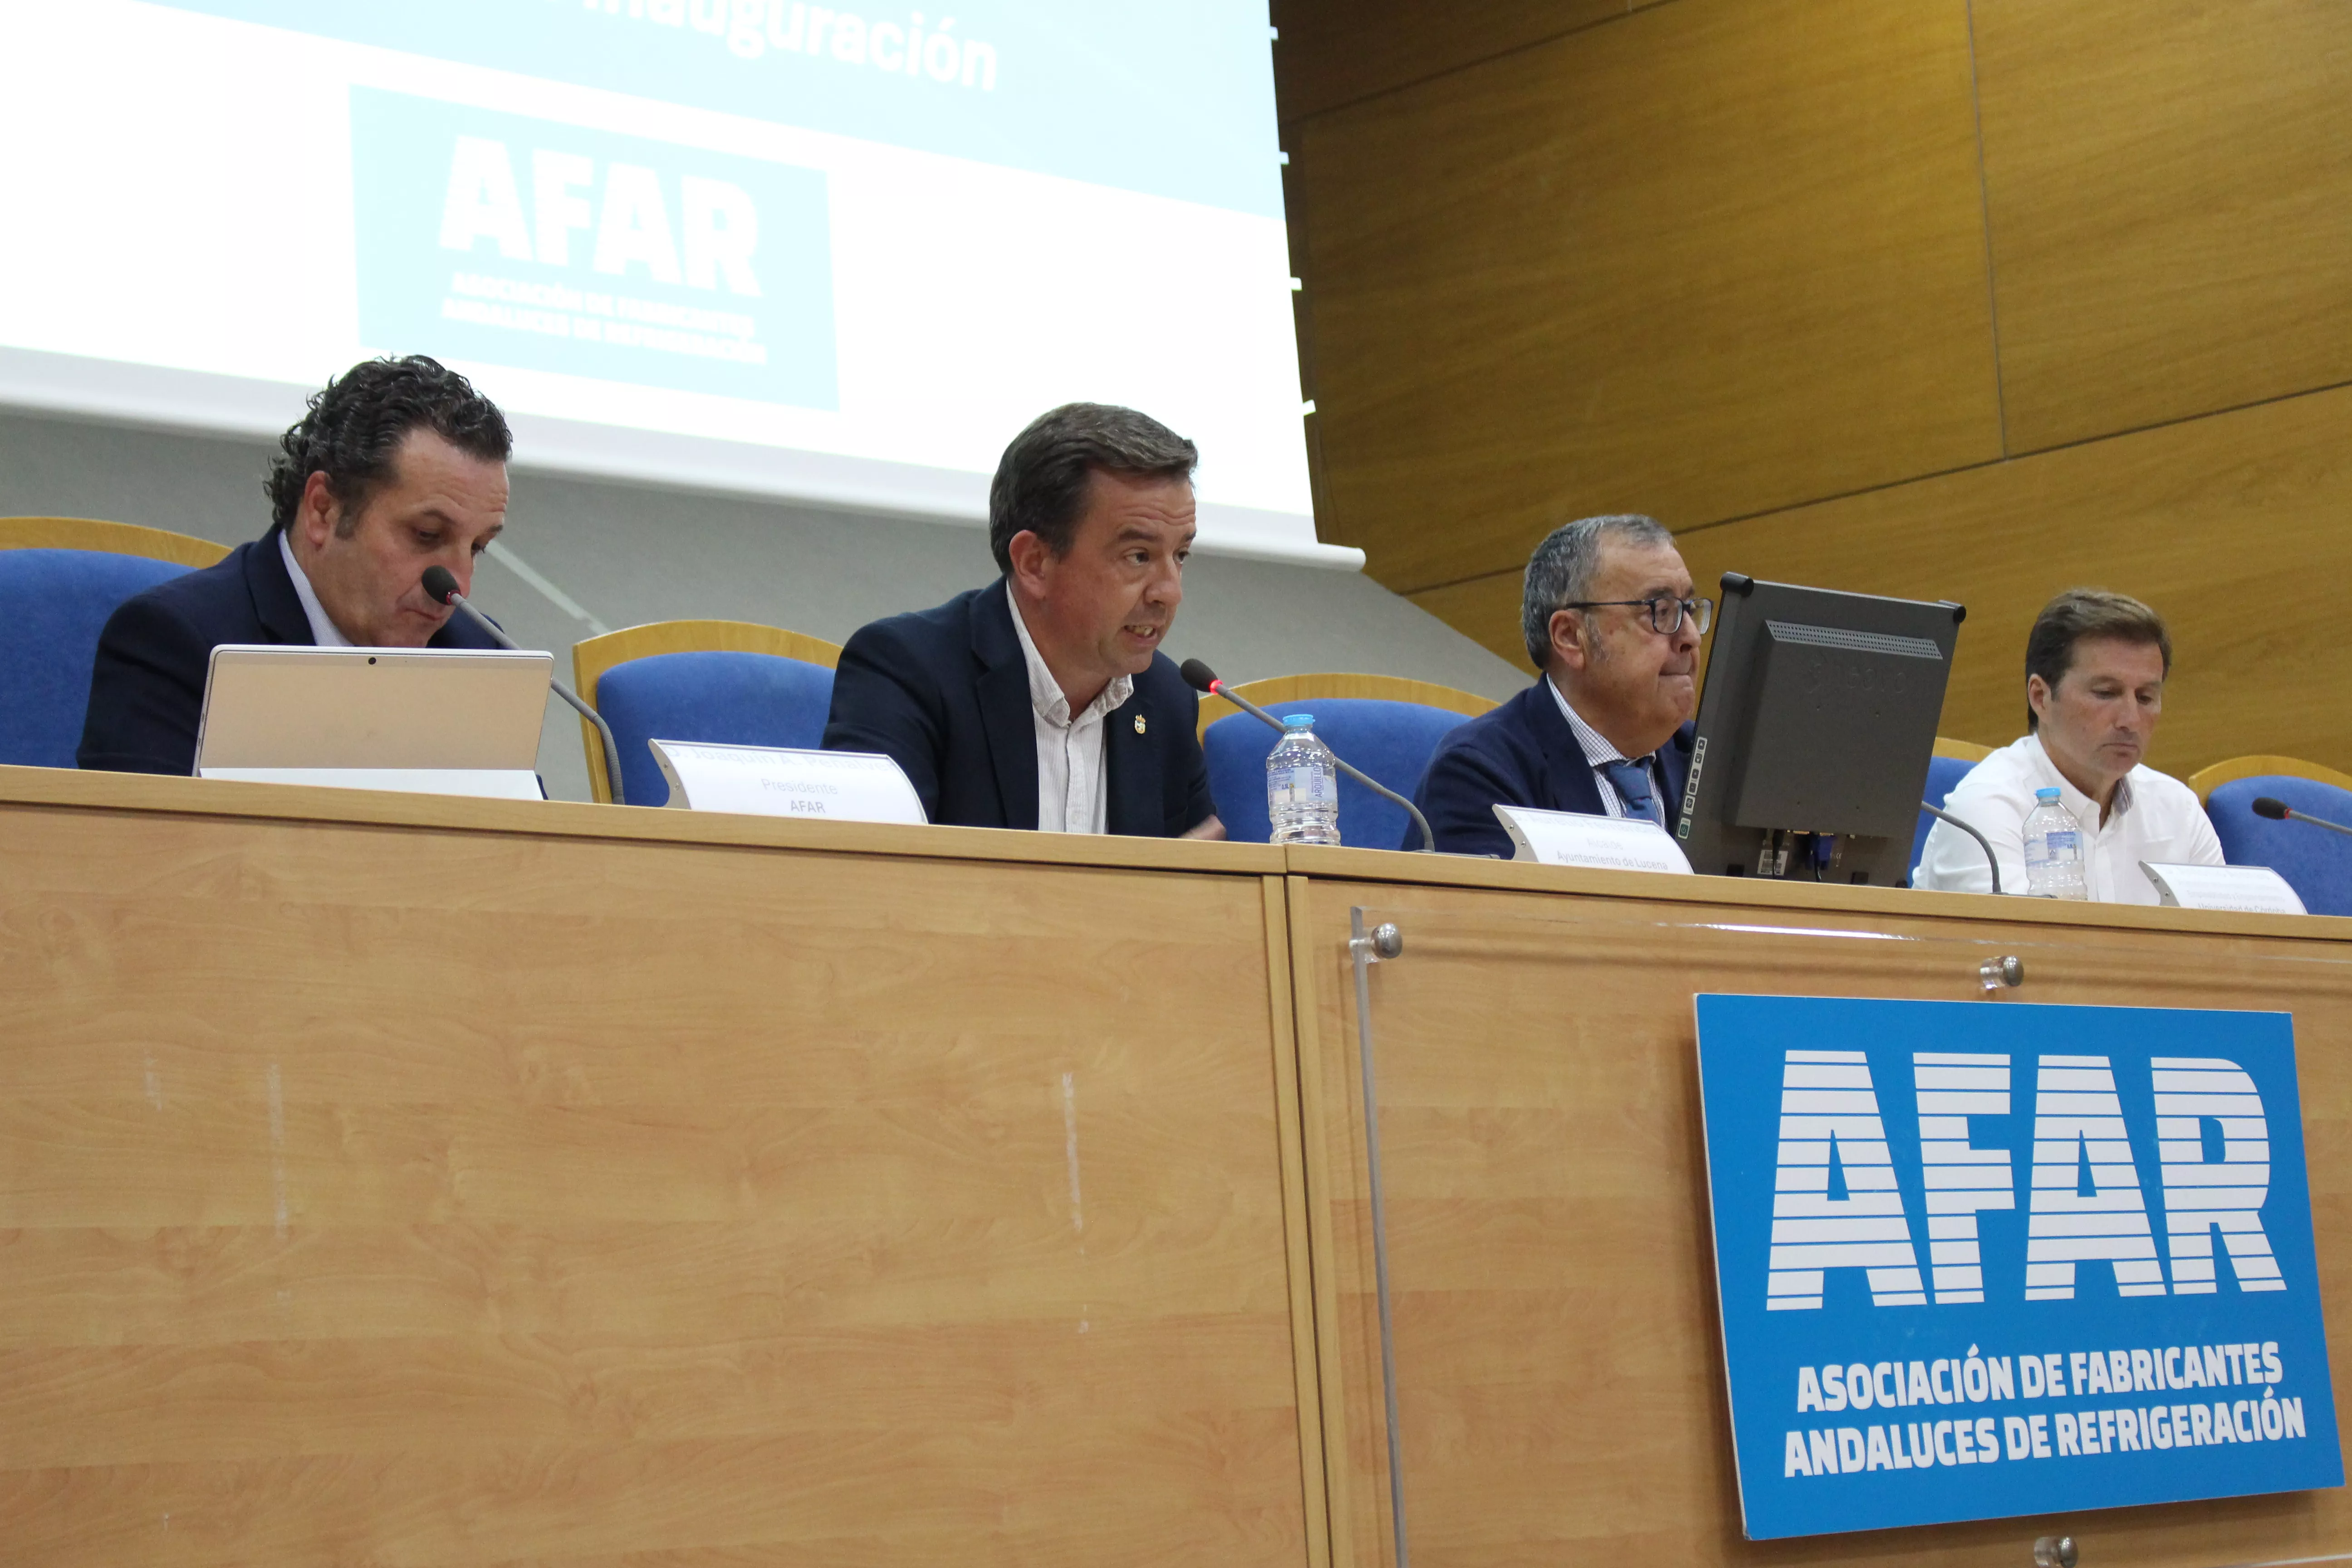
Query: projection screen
{"type": "Point", "coordinates": [835, 254]}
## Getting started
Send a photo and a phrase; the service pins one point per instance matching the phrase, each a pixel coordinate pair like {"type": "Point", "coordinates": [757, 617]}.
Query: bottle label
{"type": "Point", "coordinates": [1292, 789]}
{"type": "Point", "coordinates": [2062, 841]}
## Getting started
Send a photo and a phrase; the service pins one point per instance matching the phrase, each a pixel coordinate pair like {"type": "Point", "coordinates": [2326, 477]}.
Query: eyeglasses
{"type": "Point", "coordinates": [1665, 613]}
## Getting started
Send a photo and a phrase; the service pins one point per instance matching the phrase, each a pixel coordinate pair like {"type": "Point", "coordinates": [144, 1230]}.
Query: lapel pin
{"type": "Point", "coordinates": [1138, 724]}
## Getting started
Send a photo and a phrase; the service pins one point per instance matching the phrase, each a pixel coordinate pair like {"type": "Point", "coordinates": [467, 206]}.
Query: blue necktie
{"type": "Point", "coordinates": [1633, 781]}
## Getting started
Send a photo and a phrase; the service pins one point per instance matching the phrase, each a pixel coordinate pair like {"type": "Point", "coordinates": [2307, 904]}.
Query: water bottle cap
{"type": "Point", "coordinates": [1298, 721]}
{"type": "Point", "coordinates": [2045, 795]}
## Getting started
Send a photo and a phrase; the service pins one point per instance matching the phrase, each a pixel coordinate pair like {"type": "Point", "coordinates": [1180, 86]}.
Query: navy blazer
{"type": "Point", "coordinates": [1521, 754]}
{"type": "Point", "coordinates": [147, 689]}
{"type": "Point", "coordinates": [945, 694]}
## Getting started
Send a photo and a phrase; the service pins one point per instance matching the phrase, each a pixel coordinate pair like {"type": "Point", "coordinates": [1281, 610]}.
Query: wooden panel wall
{"type": "Point", "coordinates": [2171, 193]}
{"type": "Point", "coordinates": [1335, 55]}
{"type": "Point", "coordinates": [1518, 328]}
{"type": "Point", "coordinates": [1970, 298]}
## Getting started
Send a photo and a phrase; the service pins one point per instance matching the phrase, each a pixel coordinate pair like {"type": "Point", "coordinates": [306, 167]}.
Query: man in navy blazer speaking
{"type": "Point", "coordinates": [398, 465]}
{"type": "Point", "coordinates": [1611, 621]}
{"type": "Point", "coordinates": [1042, 699]}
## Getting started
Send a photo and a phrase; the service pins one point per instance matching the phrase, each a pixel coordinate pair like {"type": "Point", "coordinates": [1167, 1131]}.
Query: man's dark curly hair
{"type": "Point", "coordinates": [358, 421]}
{"type": "Point", "coordinates": [1041, 482]}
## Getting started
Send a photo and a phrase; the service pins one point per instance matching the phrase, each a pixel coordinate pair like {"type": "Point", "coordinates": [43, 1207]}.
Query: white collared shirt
{"type": "Point", "coordinates": [2155, 817]}
{"type": "Point", "coordinates": [323, 630]}
{"type": "Point", "coordinates": [1073, 792]}
{"type": "Point", "coordinates": [1598, 751]}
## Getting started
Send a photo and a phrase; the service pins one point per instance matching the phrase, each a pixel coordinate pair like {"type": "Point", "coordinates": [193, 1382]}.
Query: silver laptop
{"type": "Point", "coordinates": [459, 721]}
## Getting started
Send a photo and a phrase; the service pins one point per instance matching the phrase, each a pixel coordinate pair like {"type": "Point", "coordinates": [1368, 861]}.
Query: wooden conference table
{"type": "Point", "coordinates": [411, 1181]}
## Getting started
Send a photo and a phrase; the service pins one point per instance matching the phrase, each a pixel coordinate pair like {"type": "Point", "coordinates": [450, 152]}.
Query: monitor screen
{"type": "Point", "coordinates": [830, 253]}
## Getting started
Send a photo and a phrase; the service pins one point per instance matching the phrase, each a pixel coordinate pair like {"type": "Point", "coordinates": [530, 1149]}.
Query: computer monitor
{"type": "Point", "coordinates": [1814, 731]}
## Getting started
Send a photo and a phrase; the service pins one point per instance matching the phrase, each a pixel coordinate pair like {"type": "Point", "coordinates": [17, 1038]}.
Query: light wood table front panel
{"type": "Point", "coordinates": [429, 1194]}
{"type": "Point", "coordinates": [1557, 1348]}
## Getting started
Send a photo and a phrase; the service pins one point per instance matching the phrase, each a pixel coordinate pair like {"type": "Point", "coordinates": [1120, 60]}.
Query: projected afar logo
{"type": "Point", "coordinates": [494, 237]}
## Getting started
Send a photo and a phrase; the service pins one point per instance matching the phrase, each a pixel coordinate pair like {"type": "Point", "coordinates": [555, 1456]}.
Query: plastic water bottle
{"type": "Point", "coordinates": [1302, 786]}
{"type": "Point", "coordinates": [2053, 850]}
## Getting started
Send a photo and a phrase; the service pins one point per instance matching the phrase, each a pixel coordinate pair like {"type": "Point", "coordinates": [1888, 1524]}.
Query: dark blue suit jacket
{"type": "Point", "coordinates": [945, 693]}
{"type": "Point", "coordinates": [147, 689]}
{"type": "Point", "coordinates": [1521, 754]}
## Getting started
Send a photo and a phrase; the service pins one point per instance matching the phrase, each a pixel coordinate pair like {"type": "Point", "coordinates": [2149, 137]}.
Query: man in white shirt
{"type": "Point", "coordinates": [2095, 664]}
{"type": "Point", "coordinates": [1042, 700]}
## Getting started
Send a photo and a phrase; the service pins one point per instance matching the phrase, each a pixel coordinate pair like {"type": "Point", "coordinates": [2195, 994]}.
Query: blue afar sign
{"type": "Point", "coordinates": [1980, 1260]}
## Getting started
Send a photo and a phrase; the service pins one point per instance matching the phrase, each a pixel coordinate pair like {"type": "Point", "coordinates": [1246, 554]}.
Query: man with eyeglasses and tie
{"type": "Point", "coordinates": [1611, 621]}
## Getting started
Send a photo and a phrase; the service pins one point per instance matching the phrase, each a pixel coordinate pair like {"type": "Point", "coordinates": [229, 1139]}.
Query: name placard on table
{"type": "Point", "coordinates": [1976, 1261]}
{"type": "Point", "coordinates": [2248, 890]}
{"type": "Point", "coordinates": [1579, 838]}
{"type": "Point", "coordinates": [774, 781]}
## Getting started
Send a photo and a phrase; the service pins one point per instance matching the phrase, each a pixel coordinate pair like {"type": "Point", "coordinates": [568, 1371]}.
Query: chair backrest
{"type": "Point", "coordinates": [2317, 864]}
{"type": "Point", "coordinates": [726, 682]}
{"type": "Point", "coordinates": [106, 538]}
{"type": "Point", "coordinates": [1277, 689]}
{"type": "Point", "coordinates": [1951, 762]}
{"type": "Point", "coordinates": [2205, 781]}
{"type": "Point", "coordinates": [53, 604]}
{"type": "Point", "coordinates": [1391, 740]}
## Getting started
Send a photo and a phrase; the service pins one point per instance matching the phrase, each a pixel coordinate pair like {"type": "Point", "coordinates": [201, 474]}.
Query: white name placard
{"type": "Point", "coordinates": [1603, 843]}
{"type": "Point", "coordinates": [2251, 889]}
{"type": "Point", "coordinates": [775, 780]}
{"type": "Point", "coordinates": [487, 784]}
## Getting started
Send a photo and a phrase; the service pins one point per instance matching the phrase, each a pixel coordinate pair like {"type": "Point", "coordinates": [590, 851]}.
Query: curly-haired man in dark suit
{"type": "Point", "coordinates": [398, 465]}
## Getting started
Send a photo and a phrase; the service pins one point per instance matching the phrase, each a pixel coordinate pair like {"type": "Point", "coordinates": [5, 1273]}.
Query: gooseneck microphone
{"type": "Point", "coordinates": [2279, 811]}
{"type": "Point", "coordinates": [440, 585]}
{"type": "Point", "coordinates": [1201, 677]}
{"type": "Point", "coordinates": [1992, 864]}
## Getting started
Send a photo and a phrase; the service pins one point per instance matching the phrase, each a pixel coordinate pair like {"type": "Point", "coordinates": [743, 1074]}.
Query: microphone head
{"type": "Point", "coordinates": [2267, 805]}
{"type": "Point", "coordinates": [1197, 675]}
{"type": "Point", "coordinates": [440, 585]}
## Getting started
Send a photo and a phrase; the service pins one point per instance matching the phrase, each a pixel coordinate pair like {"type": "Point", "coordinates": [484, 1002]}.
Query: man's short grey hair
{"type": "Point", "coordinates": [1561, 571]}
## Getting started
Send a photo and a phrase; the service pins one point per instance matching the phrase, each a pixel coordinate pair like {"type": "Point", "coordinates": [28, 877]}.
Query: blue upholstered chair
{"type": "Point", "coordinates": [60, 578]}
{"type": "Point", "coordinates": [724, 682]}
{"type": "Point", "coordinates": [2317, 864]}
{"type": "Point", "coordinates": [1388, 727]}
{"type": "Point", "coordinates": [1951, 762]}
